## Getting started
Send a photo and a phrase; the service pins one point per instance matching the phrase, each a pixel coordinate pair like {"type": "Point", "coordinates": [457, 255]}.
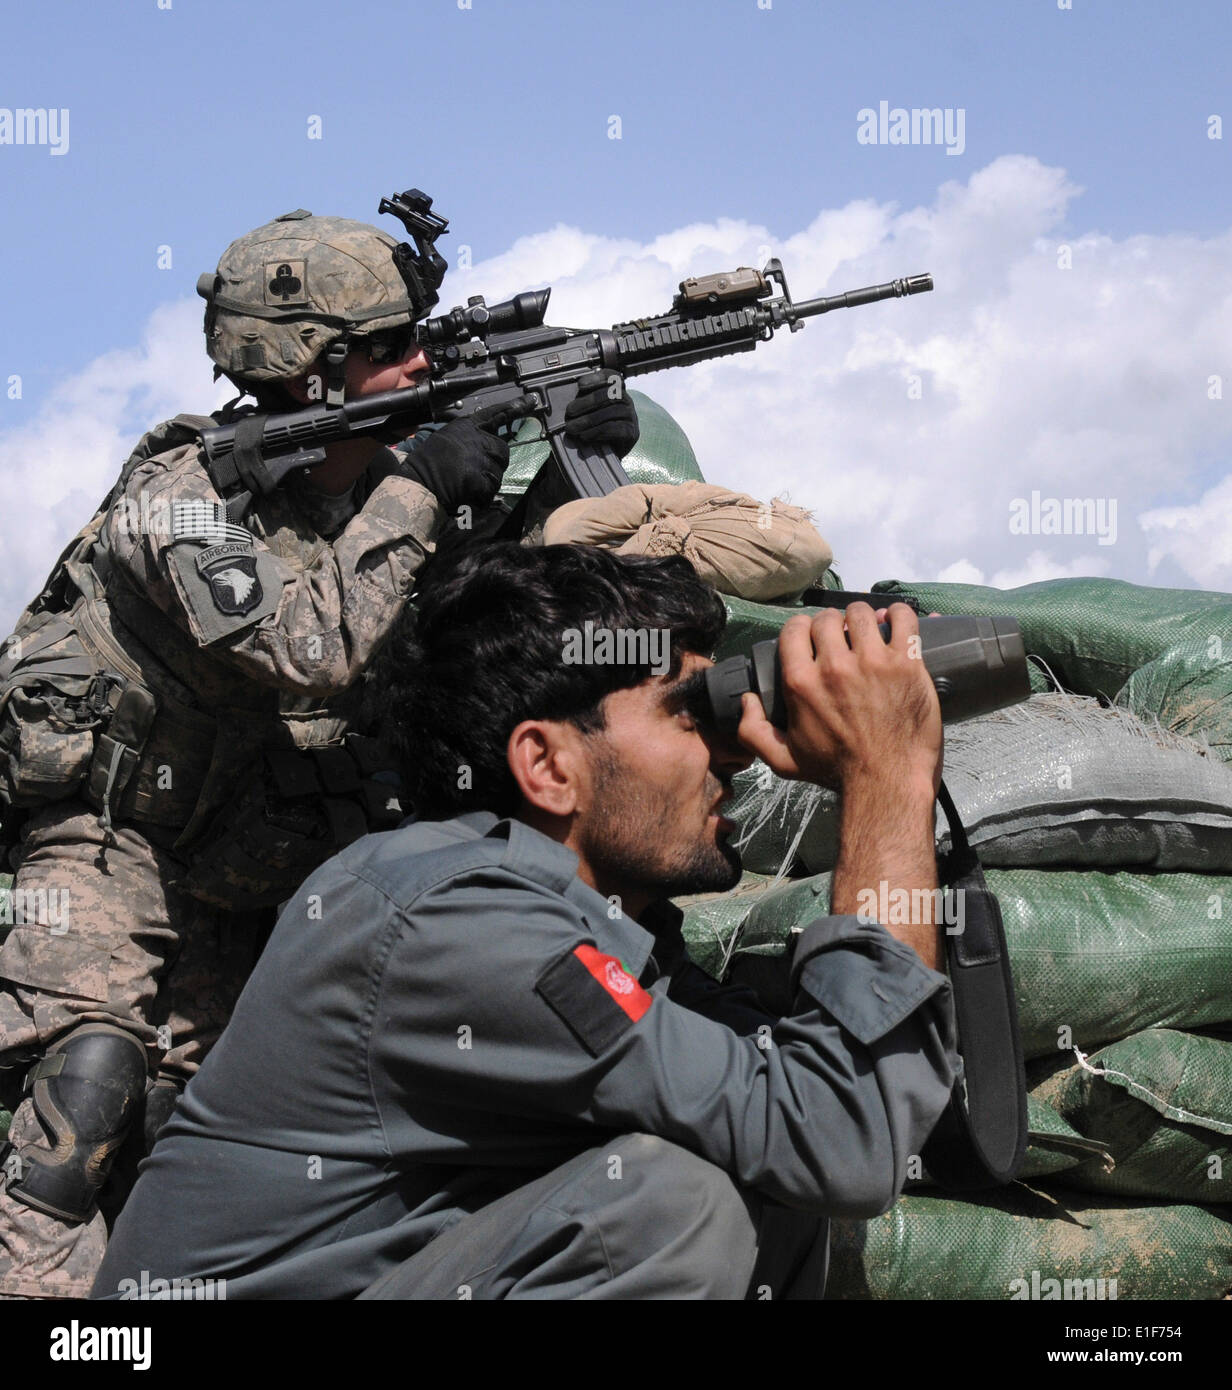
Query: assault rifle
{"type": "Point", "coordinates": [483, 355]}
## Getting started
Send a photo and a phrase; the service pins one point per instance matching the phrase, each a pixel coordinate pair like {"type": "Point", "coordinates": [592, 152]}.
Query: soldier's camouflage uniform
{"type": "Point", "coordinates": [214, 778]}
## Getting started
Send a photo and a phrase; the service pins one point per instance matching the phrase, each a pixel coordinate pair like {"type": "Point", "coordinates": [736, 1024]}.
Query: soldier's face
{"type": "Point", "coordinates": [364, 377]}
{"type": "Point", "coordinates": [659, 781]}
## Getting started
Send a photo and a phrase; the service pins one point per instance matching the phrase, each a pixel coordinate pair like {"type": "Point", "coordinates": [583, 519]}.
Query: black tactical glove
{"type": "Point", "coordinates": [596, 416]}
{"type": "Point", "coordinates": [462, 463]}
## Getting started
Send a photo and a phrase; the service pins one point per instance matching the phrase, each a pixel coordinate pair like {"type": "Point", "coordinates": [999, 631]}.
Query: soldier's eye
{"type": "Point", "coordinates": [389, 346]}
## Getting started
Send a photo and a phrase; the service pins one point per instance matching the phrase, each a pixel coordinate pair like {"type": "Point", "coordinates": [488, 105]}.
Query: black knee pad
{"type": "Point", "coordinates": [160, 1101]}
{"type": "Point", "coordinates": [87, 1091]}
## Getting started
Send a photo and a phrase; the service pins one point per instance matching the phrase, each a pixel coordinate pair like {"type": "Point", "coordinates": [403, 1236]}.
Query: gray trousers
{"type": "Point", "coordinates": [637, 1218]}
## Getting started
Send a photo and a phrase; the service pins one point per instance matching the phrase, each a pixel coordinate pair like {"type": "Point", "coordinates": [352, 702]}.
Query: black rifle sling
{"type": "Point", "coordinates": [981, 1137]}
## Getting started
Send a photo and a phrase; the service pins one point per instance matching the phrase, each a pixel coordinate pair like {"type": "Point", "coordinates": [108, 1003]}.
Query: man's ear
{"type": "Point", "coordinates": [548, 762]}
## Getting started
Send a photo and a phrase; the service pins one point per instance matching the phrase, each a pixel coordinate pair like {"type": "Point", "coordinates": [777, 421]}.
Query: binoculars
{"type": "Point", "coordinates": [977, 665]}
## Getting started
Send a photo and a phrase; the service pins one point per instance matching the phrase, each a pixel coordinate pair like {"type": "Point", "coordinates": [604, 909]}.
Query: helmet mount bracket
{"type": "Point", "coordinates": [423, 268]}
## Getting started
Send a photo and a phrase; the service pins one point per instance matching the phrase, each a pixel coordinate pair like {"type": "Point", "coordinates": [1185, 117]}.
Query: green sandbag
{"type": "Point", "coordinates": [1104, 955]}
{"type": "Point", "coordinates": [713, 920]}
{"type": "Point", "coordinates": [1093, 633]}
{"type": "Point", "coordinates": [662, 453]}
{"type": "Point", "coordinates": [1189, 690]}
{"type": "Point", "coordinates": [1095, 956]}
{"type": "Point", "coordinates": [711, 925]}
{"type": "Point", "coordinates": [1163, 1111]}
{"type": "Point", "coordinates": [1059, 781]}
{"type": "Point", "coordinates": [1015, 1243]}
{"type": "Point", "coordinates": [774, 816]}
{"type": "Point", "coordinates": [1055, 1146]}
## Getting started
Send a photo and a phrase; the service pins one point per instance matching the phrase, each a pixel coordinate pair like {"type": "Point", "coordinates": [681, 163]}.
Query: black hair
{"type": "Point", "coordinates": [484, 649]}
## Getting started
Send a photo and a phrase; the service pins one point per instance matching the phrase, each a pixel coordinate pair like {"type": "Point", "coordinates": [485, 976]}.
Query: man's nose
{"type": "Point", "coordinates": [727, 754]}
{"type": "Point", "coordinates": [415, 363]}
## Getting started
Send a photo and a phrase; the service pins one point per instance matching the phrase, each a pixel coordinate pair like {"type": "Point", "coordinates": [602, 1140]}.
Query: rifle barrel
{"type": "Point", "coordinates": [892, 289]}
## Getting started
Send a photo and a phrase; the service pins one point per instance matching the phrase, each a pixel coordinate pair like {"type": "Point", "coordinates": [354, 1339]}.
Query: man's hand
{"type": "Point", "coordinates": [864, 719]}
{"type": "Point", "coordinates": [462, 463]}
{"type": "Point", "coordinates": [867, 707]}
{"type": "Point", "coordinates": [602, 413]}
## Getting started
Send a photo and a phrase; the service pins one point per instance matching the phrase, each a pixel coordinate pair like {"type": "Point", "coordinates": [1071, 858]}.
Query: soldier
{"type": "Point", "coordinates": [521, 1087]}
{"type": "Point", "coordinates": [179, 744]}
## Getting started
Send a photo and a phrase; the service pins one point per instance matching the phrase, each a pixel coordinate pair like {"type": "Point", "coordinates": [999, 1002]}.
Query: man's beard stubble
{"type": "Point", "coordinates": [633, 843]}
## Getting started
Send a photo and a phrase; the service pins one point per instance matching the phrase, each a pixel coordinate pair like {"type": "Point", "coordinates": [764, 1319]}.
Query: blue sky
{"type": "Point", "coordinates": [189, 125]}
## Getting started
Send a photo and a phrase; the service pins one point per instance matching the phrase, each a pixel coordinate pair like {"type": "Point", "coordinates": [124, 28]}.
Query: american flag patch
{"type": "Point", "coordinates": [203, 520]}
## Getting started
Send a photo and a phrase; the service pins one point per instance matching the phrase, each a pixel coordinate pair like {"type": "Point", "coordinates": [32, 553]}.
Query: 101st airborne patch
{"type": "Point", "coordinates": [231, 572]}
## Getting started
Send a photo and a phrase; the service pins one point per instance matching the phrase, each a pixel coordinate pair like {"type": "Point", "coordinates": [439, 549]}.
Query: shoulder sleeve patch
{"type": "Point", "coordinates": [226, 587]}
{"type": "Point", "coordinates": [594, 995]}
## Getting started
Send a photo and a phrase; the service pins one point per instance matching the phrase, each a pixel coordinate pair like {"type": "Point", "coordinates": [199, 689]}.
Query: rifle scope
{"type": "Point", "coordinates": [478, 319]}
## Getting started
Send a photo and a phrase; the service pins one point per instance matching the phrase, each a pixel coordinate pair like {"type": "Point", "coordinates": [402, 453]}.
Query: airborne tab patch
{"type": "Point", "coordinates": [231, 572]}
{"type": "Point", "coordinates": [594, 995]}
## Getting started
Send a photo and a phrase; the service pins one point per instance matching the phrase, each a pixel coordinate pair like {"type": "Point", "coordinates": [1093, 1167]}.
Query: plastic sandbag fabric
{"type": "Point", "coordinates": [1095, 956]}
{"type": "Point", "coordinates": [1054, 1146]}
{"type": "Point", "coordinates": [1160, 1102]}
{"type": "Point", "coordinates": [928, 1247]}
{"type": "Point", "coordinates": [1061, 780]}
{"type": "Point", "coordinates": [712, 922]}
{"type": "Point", "coordinates": [1058, 780]}
{"type": "Point", "coordinates": [1189, 690]}
{"type": "Point", "coordinates": [1094, 633]}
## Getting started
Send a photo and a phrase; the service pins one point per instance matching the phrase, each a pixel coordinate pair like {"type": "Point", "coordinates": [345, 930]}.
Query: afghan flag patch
{"type": "Point", "coordinates": [594, 995]}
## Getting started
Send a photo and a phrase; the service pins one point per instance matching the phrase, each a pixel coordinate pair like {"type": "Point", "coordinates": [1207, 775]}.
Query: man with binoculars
{"type": "Point", "coordinates": [474, 1061]}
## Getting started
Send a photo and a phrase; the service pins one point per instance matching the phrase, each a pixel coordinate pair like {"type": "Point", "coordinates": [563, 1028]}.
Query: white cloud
{"type": "Point", "coordinates": [55, 470]}
{"type": "Point", "coordinates": [1087, 382]}
{"type": "Point", "coordinates": [962, 572]}
{"type": "Point", "coordinates": [1198, 537]}
{"type": "Point", "coordinates": [1040, 565]}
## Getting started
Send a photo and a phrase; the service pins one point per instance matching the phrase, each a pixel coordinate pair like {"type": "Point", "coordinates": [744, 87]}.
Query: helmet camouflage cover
{"type": "Point", "coordinates": [284, 292]}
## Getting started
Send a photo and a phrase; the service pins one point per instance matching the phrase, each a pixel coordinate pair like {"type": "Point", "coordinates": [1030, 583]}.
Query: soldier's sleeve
{"type": "Point", "coordinates": [312, 631]}
{"type": "Point", "coordinates": [820, 1110]}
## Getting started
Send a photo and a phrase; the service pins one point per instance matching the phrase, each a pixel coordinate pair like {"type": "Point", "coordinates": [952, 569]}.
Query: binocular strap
{"type": "Point", "coordinates": [981, 1138]}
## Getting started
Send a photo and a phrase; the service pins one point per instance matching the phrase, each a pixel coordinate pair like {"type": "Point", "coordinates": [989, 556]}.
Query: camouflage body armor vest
{"type": "Point", "coordinates": [103, 697]}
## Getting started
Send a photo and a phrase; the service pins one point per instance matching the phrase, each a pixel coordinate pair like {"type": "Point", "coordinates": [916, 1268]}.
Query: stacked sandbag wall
{"type": "Point", "coordinates": [1104, 820]}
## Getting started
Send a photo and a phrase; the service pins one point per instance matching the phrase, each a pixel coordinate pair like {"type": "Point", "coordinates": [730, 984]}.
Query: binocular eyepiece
{"type": "Point", "coordinates": [977, 665]}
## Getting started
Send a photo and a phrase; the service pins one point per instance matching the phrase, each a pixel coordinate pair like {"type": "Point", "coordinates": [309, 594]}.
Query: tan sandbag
{"type": "Point", "coordinates": [754, 550]}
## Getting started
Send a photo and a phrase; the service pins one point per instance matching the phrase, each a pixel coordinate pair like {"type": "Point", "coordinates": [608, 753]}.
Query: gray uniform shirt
{"type": "Point", "coordinates": [446, 1011]}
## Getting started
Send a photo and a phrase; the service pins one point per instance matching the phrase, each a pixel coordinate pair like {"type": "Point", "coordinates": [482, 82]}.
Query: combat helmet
{"type": "Point", "coordinates": [302, 285]}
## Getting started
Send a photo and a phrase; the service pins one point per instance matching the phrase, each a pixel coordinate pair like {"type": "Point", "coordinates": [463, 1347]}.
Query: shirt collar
{"type": "Point", "coordinates": [554, 865]}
